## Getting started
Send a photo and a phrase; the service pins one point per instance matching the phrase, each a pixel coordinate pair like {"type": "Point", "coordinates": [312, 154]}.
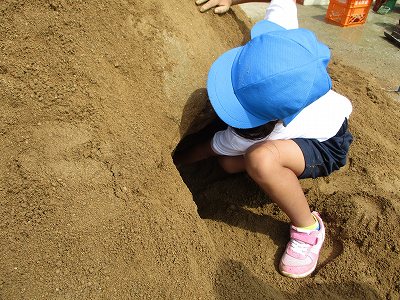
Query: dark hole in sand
{"type": "Point", "coordinates": [215, 192]}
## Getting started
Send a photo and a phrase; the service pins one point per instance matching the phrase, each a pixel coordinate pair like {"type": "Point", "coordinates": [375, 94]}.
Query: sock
{"type": "Point", "coordinates": [314, 226]}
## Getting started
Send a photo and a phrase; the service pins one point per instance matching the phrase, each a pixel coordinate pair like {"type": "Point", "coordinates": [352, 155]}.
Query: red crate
{"type": "Point", "coordinates": [348, 12]}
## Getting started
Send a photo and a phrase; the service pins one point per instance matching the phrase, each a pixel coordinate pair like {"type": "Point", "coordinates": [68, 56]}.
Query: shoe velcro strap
{"type": "Point", "coordinates": [304, 237]}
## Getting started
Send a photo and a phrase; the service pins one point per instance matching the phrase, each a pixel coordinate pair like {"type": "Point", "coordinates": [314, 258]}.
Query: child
{"type": "Point", "coordinates": [285, 122]}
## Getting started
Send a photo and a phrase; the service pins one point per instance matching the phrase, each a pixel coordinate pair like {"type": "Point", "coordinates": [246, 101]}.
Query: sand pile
{"type": "Point", "coordinates": [95, 97]}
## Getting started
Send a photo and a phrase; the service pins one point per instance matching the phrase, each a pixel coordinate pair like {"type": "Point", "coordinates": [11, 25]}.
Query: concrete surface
{"type": "Point", "coordinates": [363, 46]}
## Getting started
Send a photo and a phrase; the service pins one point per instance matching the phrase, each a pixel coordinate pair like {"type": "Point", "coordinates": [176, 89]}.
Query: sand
{"type": "Point", "coordinates": [95, 98]}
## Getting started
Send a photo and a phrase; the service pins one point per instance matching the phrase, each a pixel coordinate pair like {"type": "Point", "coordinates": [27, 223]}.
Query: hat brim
{"type": "Point", "coordinates": [222, 96]}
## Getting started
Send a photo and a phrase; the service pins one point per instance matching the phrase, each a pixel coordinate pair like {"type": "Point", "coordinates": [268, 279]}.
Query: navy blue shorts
{"type": "Point", "coordinates": [322, 158]}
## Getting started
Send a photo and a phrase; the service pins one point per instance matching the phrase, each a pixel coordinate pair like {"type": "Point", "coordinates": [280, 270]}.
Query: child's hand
{"type": "Point", "coordinates": [221, 6]}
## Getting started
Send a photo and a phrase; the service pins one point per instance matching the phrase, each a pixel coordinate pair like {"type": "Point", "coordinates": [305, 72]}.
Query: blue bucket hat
{"type": "Point", "coordinates": [272, 77]}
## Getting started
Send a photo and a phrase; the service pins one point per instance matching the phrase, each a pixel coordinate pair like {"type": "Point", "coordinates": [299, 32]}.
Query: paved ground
{"type": "Point", "coordinates": [363, 46]}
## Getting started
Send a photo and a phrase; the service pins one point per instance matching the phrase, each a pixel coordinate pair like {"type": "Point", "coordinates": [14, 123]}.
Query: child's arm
{"type": "Point", "coordinates": [222, 6]}
{"type": "Point", "coordinates": [194, 154]}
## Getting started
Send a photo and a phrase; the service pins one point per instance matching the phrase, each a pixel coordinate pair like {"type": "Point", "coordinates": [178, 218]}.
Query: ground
{"type": "Point", "coordinates": [95, 98]}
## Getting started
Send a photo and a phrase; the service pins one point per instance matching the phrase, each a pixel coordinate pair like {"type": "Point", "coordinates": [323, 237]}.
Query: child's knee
{"type": "Point", "coordinates": [226, 165]}
{"type": "Point", "coordinates": [231, 165]}
{"type": "Point", "coordinates": [261, 159]}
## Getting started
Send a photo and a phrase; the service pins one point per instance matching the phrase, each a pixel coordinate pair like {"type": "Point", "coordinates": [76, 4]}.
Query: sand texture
{"type": "Point", "coordinates": [95, 96]}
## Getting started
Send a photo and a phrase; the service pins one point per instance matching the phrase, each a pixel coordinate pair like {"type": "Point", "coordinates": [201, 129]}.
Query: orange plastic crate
{"type": "Point", "coordinates": [348, 12]}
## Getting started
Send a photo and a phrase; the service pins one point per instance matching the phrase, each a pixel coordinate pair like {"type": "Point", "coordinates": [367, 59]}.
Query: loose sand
{"type": "Point", "coordinates": [95, 96]}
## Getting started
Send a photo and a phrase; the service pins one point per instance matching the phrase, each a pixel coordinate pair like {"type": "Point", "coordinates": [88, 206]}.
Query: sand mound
{"type": "Point", "coordinates": [95, 97]}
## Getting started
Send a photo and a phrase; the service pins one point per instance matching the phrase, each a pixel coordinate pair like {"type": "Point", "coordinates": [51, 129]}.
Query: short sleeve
{"type": "Point", "coordinates": [228, 143]}
{"type": "Point", "coordinates": [283, 13]}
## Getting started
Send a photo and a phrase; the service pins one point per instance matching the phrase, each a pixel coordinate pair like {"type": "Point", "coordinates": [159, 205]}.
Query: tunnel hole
{"type": "Point", "coordinates": [216, 193]}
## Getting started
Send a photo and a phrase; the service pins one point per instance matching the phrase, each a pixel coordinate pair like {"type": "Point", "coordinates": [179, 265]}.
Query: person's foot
{"type": "Point", "coordinates": [302, 251]}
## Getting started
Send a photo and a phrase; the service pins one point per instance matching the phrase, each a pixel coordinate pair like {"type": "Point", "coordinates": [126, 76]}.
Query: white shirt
{"type": "Point", "coordinates": [320, 120]}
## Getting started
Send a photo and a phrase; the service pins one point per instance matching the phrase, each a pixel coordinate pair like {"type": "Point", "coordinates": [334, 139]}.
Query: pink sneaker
{"type": "Point", "coordinates": [302, 251]}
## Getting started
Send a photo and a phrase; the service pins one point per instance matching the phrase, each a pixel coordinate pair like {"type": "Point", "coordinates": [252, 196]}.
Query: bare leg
{"type": "Point", "coordinates": [232, 164]}
{"type": "Point", "coordinates": [274, 166]}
